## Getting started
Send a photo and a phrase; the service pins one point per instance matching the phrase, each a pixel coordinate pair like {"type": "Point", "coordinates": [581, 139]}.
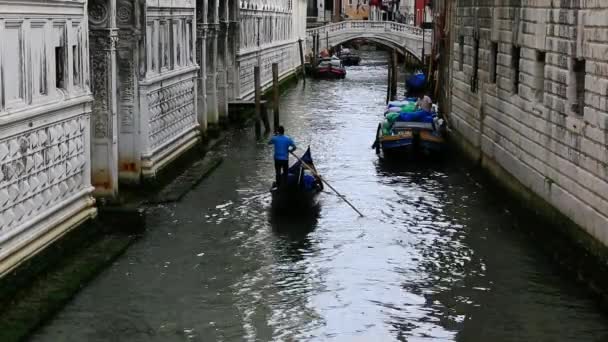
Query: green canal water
{"type": "Point", "coordinates": [438, 257]}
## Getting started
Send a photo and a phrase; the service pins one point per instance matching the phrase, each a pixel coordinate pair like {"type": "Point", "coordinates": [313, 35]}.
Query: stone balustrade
{"type": "Point", "coordinates": [396, 35]}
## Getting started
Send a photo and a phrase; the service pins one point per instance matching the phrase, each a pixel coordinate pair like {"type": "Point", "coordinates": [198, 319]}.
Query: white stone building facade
{"type": "Point", "coordinates": [98, 93]}
{"type": "Point", "coordinates": [270, 32]}
{"type": "Point", "coordinates": [45, 110]}
{"type": "Point", "coordinates": [529, 98]}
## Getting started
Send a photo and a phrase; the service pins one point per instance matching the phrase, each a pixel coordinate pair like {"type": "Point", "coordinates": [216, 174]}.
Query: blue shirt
{"type": "Point", "coordinates": [281, 146]}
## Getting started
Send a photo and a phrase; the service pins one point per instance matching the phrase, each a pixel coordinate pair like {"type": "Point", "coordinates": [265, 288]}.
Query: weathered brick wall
{"type": "Point", "coordinates": [538, 129]}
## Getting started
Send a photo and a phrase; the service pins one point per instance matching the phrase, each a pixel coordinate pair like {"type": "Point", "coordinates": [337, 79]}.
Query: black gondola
{"type": "Point", "coordinates": [349, 58]}
{"type": "Point", "coordinates": [302, 186]}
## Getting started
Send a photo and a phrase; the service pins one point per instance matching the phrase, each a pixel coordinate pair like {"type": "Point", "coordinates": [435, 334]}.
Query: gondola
{"type": "Point", "coordinates": [349, 58]}
{"type": "Point", "coordinates": [302, 186]}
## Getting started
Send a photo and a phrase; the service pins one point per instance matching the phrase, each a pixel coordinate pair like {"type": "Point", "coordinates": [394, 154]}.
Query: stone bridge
{"type": "Point", "coordinates": [403, 38]}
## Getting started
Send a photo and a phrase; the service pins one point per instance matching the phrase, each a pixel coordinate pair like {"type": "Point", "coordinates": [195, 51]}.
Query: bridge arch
{"type": "Point", "coordinates": [403, 38]}
{"type": "Point", "coordinates": [404, 50]}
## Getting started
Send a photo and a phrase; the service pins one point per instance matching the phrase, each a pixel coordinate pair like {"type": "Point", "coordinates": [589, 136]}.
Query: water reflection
{"type": "Point", "coordinates": [437, 256]}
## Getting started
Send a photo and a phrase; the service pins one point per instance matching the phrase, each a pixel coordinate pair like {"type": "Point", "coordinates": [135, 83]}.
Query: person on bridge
{"type": "Point", "coordinates": [283, 145]}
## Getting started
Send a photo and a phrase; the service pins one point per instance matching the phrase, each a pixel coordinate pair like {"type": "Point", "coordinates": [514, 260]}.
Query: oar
{"type": "Point", "coordinates": [324, 181]}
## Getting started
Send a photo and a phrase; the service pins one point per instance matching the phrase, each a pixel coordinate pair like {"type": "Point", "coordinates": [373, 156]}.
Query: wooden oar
{"type": "Point", "coordinates": [311, 169]}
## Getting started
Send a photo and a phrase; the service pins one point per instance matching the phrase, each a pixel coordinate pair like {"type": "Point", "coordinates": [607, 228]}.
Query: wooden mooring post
{"type": "Point", "coordinates": [275, 95]}
{"type": "Point", "coordinates": [395, 75]}
{"type": "Point", "coordinates": [388, 82]}
{"type": "Point", "coordinates": [259, 114]}
{"type": "Point", "coordinates": [302, 60]}
{"type": "Point", "coordinates": [258, 105]}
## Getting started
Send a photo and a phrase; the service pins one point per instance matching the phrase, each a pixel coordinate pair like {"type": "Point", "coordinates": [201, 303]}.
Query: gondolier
{"type": "Point", "coordinates": [282, 146]}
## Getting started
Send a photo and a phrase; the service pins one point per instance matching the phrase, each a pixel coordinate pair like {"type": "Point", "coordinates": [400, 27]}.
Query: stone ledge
{"type": "Point", "coordinates": [37, 289]}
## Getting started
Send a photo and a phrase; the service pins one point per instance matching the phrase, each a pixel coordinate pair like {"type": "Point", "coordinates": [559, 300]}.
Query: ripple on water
{"type": "Point", "coordinates": [431, 260]}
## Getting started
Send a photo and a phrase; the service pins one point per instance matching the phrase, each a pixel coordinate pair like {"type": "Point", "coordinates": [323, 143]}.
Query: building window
{"type": "Point", "coordinates": [579, 71]}
{"type": "Point", "coordinates": [461, 59]}
{"type": "Point", "coordinates": [540, 75]}
{"type": "Point", "coordinates": [474, 80]}
{"type": "Point", "coordinates": [493, 61]}
{"type": "Point", "coordinates": [76, 64]}
{"type": "Point", "coordinates": [59, 67]}
{"type": "Point", "coordinates": [515, 53]}
{"type": "Point", "coordinates": [163, 45]}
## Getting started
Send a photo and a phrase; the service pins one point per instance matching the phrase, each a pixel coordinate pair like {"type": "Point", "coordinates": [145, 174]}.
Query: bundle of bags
{"type": "Point", "coordinates": [307, 182]}
{"type": "Point", "coordinates": [405, 111]}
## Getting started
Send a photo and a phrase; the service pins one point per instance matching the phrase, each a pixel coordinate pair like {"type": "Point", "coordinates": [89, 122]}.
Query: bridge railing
{"type": "Point", "coordinates": [368, 26]}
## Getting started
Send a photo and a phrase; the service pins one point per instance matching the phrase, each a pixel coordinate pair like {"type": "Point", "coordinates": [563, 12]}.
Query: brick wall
{"type": "Point", "coordinates": [543, 119]}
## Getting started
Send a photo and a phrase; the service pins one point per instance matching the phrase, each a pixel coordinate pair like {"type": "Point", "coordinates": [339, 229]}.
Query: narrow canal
{"type": "Point", "coordinates": [438, 256]}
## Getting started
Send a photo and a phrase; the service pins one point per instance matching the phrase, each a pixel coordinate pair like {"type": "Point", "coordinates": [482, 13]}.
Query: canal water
{"type": "Point", "coordinates": [437, 257]}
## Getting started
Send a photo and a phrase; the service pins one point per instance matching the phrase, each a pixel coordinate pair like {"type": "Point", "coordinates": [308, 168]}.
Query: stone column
{"type": "Point", "coordinates": [212, 107]}
{"type": "Point", "coordinates": [212, 94]}
{"type": "Point", "coordinates": [104, 141]}
{"type": "Point", "coordinates": [227, 64]}
{"type": "Point", "coordinates": [231, 62]}
{"type": "Point", "coordinates": [201, 60]}
{"type": "Point", "coordinates": [222, 100]}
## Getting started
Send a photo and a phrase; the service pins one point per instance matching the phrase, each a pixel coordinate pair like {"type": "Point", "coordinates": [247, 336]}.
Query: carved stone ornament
{"type": "Point", "coordinates": [124, 13]}
{"type": "Point", "coordinates": [40, 168]}
{"type": "Point", "coordinates": [113, 40]}
{"type": "Point", "coordinates": [98, 12]}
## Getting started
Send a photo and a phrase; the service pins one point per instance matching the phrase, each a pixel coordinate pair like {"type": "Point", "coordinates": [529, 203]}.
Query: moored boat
{"type": "Point", "coordinates": [349, 58]}
{"type": "Point", "coordinates": [329, 68]}
{"type": "Point", "coordinates": [302, 186]}
{"type": "Point", "coordinates": [408, 129]}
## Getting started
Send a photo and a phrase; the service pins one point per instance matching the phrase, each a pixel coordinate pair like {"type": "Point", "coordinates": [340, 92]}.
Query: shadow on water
{"type": "Point", "coordinates": [438, 257]}
{"type": "Point", "coordinates": [415, 165]}
{"type": "Point", "coordinates": [294, 225]}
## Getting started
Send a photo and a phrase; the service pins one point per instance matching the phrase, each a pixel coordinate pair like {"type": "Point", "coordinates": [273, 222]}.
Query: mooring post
{"type": "Point", "coordinates": [302, 60]}
{"type": "Point", "coordinates": [389, 82]}
{"type": "Point", "coordinates": [318, 46]}
{"type": "Point", "coordinates": [395, 74]}
{"type": "Point", "coordinates": [275, 94]}
{"type": "Point", "coordinates": [258, 105]}
{"type": "Point", "coordinates": [314, 49]}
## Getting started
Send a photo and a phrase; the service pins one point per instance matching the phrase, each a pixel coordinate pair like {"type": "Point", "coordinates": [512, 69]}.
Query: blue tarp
{"type": "Point", "coordinates": [306, 157]}
{"type": "Point", "coordinates": [417, 116]}
{"type": "Point", "coordinates": [308, 181]}
{"type": "Point", "coordinates": [416, 81]}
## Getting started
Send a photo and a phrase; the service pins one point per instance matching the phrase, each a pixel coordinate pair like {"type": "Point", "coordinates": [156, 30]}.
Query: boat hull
{"type": "Point", "coordinates": [350, 60]}
{"type": "Point", "coordinates": [293, 199]}
{"type": "Point", "coordinates": [330, 73]}
{"type": "Point", "coordinates": [410, 141]}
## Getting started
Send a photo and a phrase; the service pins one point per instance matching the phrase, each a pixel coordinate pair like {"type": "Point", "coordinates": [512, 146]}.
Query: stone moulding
{"type": "Point", "coordinates": [286, 54]}
{"type": "Point", "coordinates": [46, 8]}
{"type": "Point", "coordinates": [171, 3]}
{"type": "Point", "coordinates": [44, 180]}
{"type": "Point", "coordinates": [169, 118]}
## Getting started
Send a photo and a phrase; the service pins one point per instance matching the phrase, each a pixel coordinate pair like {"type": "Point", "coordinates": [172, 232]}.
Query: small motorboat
{"type": "Point", "coordinates": [349, 58]}
{"type": "Point", "coordinates": [409, 130]}
{"type": "Point", "coordinates": [303, 186]}
{"type": "Point", "coordinates": [416, 81]}
{"type": "Point", "coordinates": [330, 68]}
